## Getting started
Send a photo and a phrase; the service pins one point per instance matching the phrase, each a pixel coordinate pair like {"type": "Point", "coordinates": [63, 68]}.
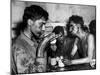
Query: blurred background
{"type": "Point", "coordinates": [58, 13]}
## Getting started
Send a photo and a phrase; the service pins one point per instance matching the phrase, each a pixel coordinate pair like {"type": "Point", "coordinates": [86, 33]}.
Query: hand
{"type": "Point", "coordinates": [93, 63]}
{"type": "Point", "coordinates": [67, 62]}
{"type": "Point", "coordinates": [42, 45]}
{"type": "Point", "coordinates": [49, 37]}
{"type": "Point", "coordinates": [41, 64]}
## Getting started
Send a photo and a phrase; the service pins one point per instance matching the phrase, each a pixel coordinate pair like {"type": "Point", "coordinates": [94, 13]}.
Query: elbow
{"type": "Point", "coordinates": [89, 59]}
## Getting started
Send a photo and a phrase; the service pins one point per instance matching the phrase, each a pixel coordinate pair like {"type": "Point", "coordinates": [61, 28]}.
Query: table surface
{"type": "Point", "coordinates": [69, 68]}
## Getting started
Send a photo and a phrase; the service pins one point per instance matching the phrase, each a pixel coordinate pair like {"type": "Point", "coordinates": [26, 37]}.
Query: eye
{"type": "Point", "coordinates": [42, 23]}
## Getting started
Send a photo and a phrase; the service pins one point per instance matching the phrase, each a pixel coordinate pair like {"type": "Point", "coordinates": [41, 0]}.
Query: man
{"type": "Point", "coordinates": [25, 47]}
{"type": "Point", "coordinates": [83, 45]}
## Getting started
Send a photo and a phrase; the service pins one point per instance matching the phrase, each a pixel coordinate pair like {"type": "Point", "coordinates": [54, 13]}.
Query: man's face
{"type": "Point", "coordinates": [73, 28]}
{"type": "Point", "coordinates": [37, 26]}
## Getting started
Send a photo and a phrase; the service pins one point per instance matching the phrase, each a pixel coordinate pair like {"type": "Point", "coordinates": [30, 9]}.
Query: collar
{"type": "Point", "coordinates": [27, 39]}
{"type": "Point", "coordinates": [35, 38]}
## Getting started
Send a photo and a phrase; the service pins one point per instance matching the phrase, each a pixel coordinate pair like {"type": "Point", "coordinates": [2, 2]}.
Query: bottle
{"type": "Point", "coordinates": [60, 63]}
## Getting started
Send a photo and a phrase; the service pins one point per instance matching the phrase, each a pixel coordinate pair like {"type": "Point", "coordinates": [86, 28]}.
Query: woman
{"type": "Point", "coordinates": [84, 42]}
{"type": "Point", "coordinates": [92, 29]}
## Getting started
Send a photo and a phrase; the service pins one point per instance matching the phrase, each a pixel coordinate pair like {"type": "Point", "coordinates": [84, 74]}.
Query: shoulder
{"type": "Point", "coordinates": [17, 48]}
{"type": "Point", "coordinates": [17, 45]}
{"type": "Point", "coordinates": [90, 37]}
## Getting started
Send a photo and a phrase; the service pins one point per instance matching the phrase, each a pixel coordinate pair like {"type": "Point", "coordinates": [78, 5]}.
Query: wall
{"type": "Point", "coordinates": [58, 13]}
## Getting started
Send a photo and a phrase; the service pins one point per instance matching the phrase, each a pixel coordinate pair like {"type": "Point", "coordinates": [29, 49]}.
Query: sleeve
{"type": "Point", "coordinates": [24, 62]}
{"type": "Point", "coordinates": [42, 63]}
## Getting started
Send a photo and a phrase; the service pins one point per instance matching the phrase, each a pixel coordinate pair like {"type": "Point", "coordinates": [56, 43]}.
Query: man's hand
{"type": "Point", "coordinates": [41, 64]}
{"type": "Point", "coordinates": [49, 37]}
{"type": "Point", "coordinates": [43, 44]}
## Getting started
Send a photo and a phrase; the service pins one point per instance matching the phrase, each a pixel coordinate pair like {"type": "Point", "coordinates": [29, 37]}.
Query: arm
{"type": "Point", "coordinates": [24, 62]}
{"type": "Point", "coordinates": [87, 59]}
{"type": "Point", "coordinates": [41, 48]}
{"type": "Point", "coordinates": [74, 49]}
{"type": "Point", "coordinates": [42, 62]}
{"type": "Point", "coordinates": [43, 44]}
{"type": "Point", "coordinates": [41, 55]}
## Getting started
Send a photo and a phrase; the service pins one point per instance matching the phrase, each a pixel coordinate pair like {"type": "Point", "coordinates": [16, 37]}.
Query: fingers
{"type": "Point", "coordinates": [42, 64]}
{"type": "Point", "coordinates": [52, 35]}
{"type": "Point", "coordinates": [49, 37]}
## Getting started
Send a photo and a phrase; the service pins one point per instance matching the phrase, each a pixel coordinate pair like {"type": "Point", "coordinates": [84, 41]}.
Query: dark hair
{"type": "Point", "coordinates": [78, 20]}
{"type": "Point", "coordinates": [92, 27]}
{"type": "Point", "coordinates": [58, 29]}
{"type": "Point", "coordinates": [33, 12]}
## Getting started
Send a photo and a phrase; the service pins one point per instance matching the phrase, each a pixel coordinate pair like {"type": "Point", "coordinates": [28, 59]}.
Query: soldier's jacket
{"type": "Point", "coordinates": [23, 55]}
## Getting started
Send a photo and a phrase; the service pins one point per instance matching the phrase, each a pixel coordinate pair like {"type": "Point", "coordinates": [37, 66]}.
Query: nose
{"type": "Point", "coordinates": [43, 28]}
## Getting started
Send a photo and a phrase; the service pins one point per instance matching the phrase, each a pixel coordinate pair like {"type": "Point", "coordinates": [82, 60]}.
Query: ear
{"type": "Point", "coordinates": [30, 22]}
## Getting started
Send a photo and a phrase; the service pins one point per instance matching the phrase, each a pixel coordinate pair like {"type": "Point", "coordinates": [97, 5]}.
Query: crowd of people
{"type": "Point", "coordinates": [32, 54]}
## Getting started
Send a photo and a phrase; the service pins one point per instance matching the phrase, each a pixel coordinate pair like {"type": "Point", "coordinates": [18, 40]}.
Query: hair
{"type": "Point", "coordinates": [78, 20]}
{"type": "Point", "coordinates": [92, 27]}
{"type": "Point", "coordinates": [58, 30]}
{"type": "Point", "coordinates": [33, 12]}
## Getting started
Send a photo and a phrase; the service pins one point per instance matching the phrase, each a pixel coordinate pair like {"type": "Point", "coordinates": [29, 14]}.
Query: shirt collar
{"type": "Point", "coordinates": [23, 36]}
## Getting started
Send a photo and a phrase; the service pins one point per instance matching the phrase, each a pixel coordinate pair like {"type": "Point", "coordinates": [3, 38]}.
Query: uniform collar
{"type": "Point", "coordinates": [23, 36]}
